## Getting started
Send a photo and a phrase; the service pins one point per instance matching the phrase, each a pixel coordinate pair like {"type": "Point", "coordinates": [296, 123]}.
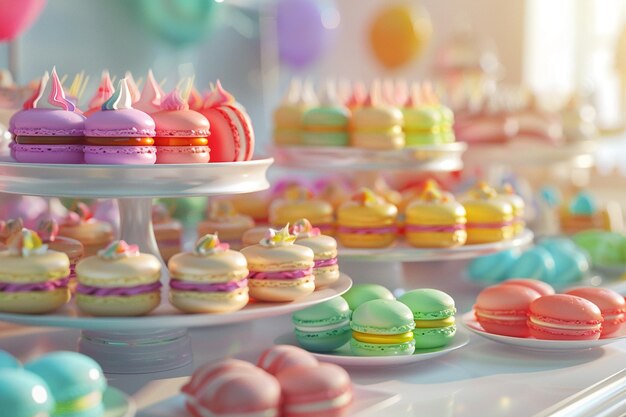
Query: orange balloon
{"type": "Point", "coordinates": [399, 34]}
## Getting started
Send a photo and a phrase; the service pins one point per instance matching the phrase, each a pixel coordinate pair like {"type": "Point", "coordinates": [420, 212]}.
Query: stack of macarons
{"type": "Point", "coordinates": [531, 308]}
{"type": "Point", "coordinates": [287, 381]}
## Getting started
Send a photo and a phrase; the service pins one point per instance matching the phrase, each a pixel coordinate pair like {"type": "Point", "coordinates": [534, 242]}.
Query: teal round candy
{"type": "Point", "coordinates": [430, 307]}
{"type": "Point", "coordinates": [493, 268]}
{"type": "Point", "coordinates": [8, 361]}
{"type": "Point", "coordinates": [536, 263]}
{"type": "Point", "coordinates": [71, 377]}
{"type": "Point", "coordinates": [323, 327]}
{"type": "Point", "coordinates": [24, 394]}
{"type": "Point", "coordinates": [361, 293]}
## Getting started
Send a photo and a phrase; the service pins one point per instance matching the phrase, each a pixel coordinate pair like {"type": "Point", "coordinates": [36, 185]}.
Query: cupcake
{"type": "Point", "coordinates": [489, 219]}
{"type": "Point", "coordinates": [119, 281]}
{"type": "Point", "coordinates": [48, 231]}
{"type": "Point", "coordinates": [211, 279]}
{"type": "Point", "coordinates": [279, 270]}
{"type": "Point", "coordinates": [50, 129]}
{"type": "Point", "coordinates": [435, 220]}
{"type": "Point", "coordinates": [326, 124]}
{"type": "Point", "coordinates": [103, 93]}
{"type": "Point", "coordinates": [224, 221]}
{"type": "Point", "coordinates": [181, 133]}
{"type": "Point", "coordinates": [92, 233]}
{"type": "Point", "coordinates": [366, 221]}
{"type": "Point", "coordinates": [298, 203]}
{"type": "Point", "coordinates": [120, 134]}
{"type": "Point", "coordinates": [151, 96]}
{"type": "Point", "coordinates": [168, 232]}
{"type": "Point", "coordinates": [33, 279]}
{"type": "Point", "coordinates": [325, 269]}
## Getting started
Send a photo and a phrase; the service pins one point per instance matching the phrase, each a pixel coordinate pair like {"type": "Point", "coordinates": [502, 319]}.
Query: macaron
{"type": "Point", "coordinates": [223, 220]}
{"type": "Point", "coordinates": [375, 125]}
{"type": "Point", "coordinates": [8, 361]}
{"type": "Point", "coordinates": [325, 268]}
{"type": "Point", "coordinates": [120, 134]}
{"type": "Point", "coordinates": [119, 281]}
{"type": "Point", "coordinates": [181, 133]}
{"type": "Point", "coordinates": [564, 317]}
{"type": "Point", "coordinates": [433, 312]}
{"type": "Point", "coordinates": [231, 388]}
{"type": "Point", "coordinates": [422, 123]}
{"type": "Point", "coordinates": [321, 391]}
{"type": "Point", "coordinates": [281, 357]}
{"type": "Point", "coordinates": [493, 268]}
{"type": "Point", "coordinates": [535, 262]}
{"type": "Point", "coordinates": [611, 304]}
{"type": "Point", "coordinates": [48, 231]}
{"type": "Point", "coordinates": [571, 264]}
{"type": "Point", "coordinates": [49, 129]}
{"type": "Point", "coordinates": [287, 116]}
{"type": "Point", "coordinates": [606, 249]}
{"type": "Point", "coordinates": [232, 134]}
{"type": "Point", "coordinates": [211, 279]}
{"type": "Point", "coordinates": [503, 309]}
{"type": "Point", "coordinates": [489, 219]}
{"type": "Point", "coordinates": [79, 224]}
{"type": "Point", "coordinates": [367, 221]}
{"type": "Point", "coordinates": [323, 327]}
{"type": "Point", "coordinates": [362, 293]}
{"type": "Point", "coordinates": [255, 205]}
{"type": "Point", "coordinates": [168, 231]}
{"type": "Point", "coordinates": [382, 328]}
{"type": "Point", "coordinates": [253, 236]}
{"type": "Point", "coordinates": [298, 203]}
{"type": "Point", "coordinates": [279, 269]}
{"type": "Point", "coordinates": [76, 383]}
{"type": "Point", "coordinates": [543, 288]}
{"type": "Point", "coordinates": [33, 279]}
{"type": "Point", "coordinates": [508, 195]}
{"type": "Point", "coordinates": [326, 123]}
{"type": "Point", "coordinates": [24, 394]}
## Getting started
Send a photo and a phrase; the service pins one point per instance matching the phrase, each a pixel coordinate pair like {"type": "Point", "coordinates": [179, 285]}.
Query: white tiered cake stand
{"type": "Point", "coordinates": [159, 341]}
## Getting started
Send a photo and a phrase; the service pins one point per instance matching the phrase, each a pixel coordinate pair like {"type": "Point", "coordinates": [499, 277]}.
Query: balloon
{"type": "Point", "coordinates": [303, 30]}
{"type": "Point", "coordinates": [17, 16]}
{"type": "Point", "coordinates": [398, 34]}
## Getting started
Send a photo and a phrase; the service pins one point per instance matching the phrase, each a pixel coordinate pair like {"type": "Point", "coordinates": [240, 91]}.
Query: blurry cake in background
{"type": "Point", "coordinates": [583, 212]}
{"type": "Point", "coordinates": [167, 231]}
{"type": "Point", "coordinates": [80, 225]}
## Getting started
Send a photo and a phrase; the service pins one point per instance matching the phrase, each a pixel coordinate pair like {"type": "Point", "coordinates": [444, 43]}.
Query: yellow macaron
{"type": "Point", "coordinates": [377, 126]}
{"type": "Point", "coordinates": [508, 195]}
{"type": "Point", "coordinates": [489, 219]}
{"type": "Point", "coordinates": [326, 268]}
{"type": "Point", "coordinates": [298, 203]}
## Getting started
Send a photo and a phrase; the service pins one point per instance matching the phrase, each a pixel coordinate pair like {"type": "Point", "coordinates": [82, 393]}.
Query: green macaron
{"type": "Point", "coordinates": [433, 312]}
{"type": "Point", "coordinates": [361, 293]}
{"type": "Point", "coordinates": [326, 125]}
{"type": "Point", "coordinates": [323, 327]}
{"type": "Point", "coordinates": [382, 328]}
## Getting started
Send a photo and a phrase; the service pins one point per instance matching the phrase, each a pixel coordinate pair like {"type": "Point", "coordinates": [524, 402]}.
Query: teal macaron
{"type": "Point", "coordinates": [493, 268]}
{"type": "Point", "coordinates": [537, 263]}
{"type": "Point", "coordinates": [323, 327]}
{"type": "Point", "coordinates": [8, 361]}
{"type": "Point", "coordinates": [382, 328]}
{"type": "Point", "coordinates": [361, 293]}
{"type": "Point", "coordinates": [76, 382]}
{"type": "Point", "coordinates": [24, 394]}
{"type": "Point", "coordinates": [433, 312]}
{"type": "Point", "coordinates": [571, 262]}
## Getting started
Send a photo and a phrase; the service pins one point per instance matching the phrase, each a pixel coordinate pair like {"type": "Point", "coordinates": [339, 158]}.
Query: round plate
{"type": "Point", "coordinates": [469, 321]}
{"type": "Point", "coordinates": [117, 404]}
{"type": "Point", "coordinates": [166, 316]}
{"type": "Point", "coordinates": [343, 356]}
{"type": "Point", "coordinates": [430, 158]}
{"type": "Point", "coordinates": [402, 252]}
{"type": "Point", "coordinates": [122, 181]}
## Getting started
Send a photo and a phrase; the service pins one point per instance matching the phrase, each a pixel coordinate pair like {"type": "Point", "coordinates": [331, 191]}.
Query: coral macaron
{"type": "Point", "coordinates": [564, 317]}
{"type": "Point", "coordinates": [541, 287]}
{"type": "Point", "coordinates": [503, 309]}
{"type": "Point", "coordinates": [281, 357]}
{"type": "Point", "coordinates": [611, 304]}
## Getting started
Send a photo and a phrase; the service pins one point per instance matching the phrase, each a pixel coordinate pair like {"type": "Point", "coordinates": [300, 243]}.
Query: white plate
{"type": "Point", "coordinates": [366, 402]}
{"type": "Point", "coordinates": [469, 321]}
{"type": "Point", "coordinates": [402, 252]}
{"type": "Point", "coordinates": [117, 404]}
{"type": "Point", "coordinates": [343, 356]}
{"type": "Point", "coordinates": [431, 158]}
{"type": "Point", "coordinates": [115, 181]}
{"type": "Point", "coordinates": [167, 316]}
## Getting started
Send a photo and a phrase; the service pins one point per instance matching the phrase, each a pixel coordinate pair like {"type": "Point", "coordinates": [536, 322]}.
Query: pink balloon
{"type": "Point", "coordinates": [17, 16]}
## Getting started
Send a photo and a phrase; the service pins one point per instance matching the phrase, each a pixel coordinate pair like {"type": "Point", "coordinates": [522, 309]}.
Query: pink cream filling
{"type": "Point", "coordinates": [38, 286]}
{"type": "Point", "coordinates": [434, 228]}
{"type": "Point", "coordinates": [494, 225]}
{"type": "Point", "coordinates": [279, 275]}
{"type": "Point", "coordinates": [117, 291]}
{"type": "Point", "coordinates": [321, 263]}
{"type": "Point", "coordinates": [367, 230]}
{"type": "Point", "coordinates": [177, 284]}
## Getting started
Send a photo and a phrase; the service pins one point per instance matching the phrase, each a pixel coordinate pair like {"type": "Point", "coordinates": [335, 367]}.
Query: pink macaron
{"type": "Point", "coordinates": [611, 305]}
{"type": "Point", "coordinates": [49, 130]}
{"type": "Point", "coordinates": [281, 357]}
{"type": "Point", "coordinates": [232, 136]}
{"type": "Point", "coordinates": [120, 134]}
{"type": "Point", "coordinates": [541, 287]}
{"type": "Point", "coordinates": [319, 391]}
{"type": "Point", "coordinates": [232, 388]}
{"type": "Point", "coordinates": [564, 317]}
{"type": "Point", "coordinates": [503, 309]}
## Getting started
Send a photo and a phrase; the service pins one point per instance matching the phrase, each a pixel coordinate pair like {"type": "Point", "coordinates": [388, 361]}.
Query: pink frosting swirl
{"type": "Point", "coordinates": [280, 275]}
{"type": "Point", "coordinates": [322, 263]}
{"type": "Point", "coordinates": [117, 291]}
{"type": "Point", "coordinates": [180, 285]}
{"type": "Point", "coordinates": [218, 97]}
{"type": "Point", "coordinates": [174, 101]}
{"type": "Point", "coordinates": [37, 286]}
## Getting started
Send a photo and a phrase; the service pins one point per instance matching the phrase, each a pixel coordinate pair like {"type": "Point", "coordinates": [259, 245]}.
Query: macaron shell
{"type": "Point", "coordinates": [180, 123]}
{"type": "Point", "coordinates": [362, 293]}
{"type": "Point", "coordinates": [120, 155]}
{"type": "Point", "coordinates": [120, 123]}
{"type": "Point", "coordinates": [253, 236]}
{"type": "Point", "coordinates": [325, 276]}
{"type": "Point", "coordinates": [119, 306]}
{"type": "Point", "coordinates": [122, 272]}
{"type": "Point", "coordinates": [493, 268]}
{"type": "Point", "coordinates": [281, 290]}
{"type": "Point", "coordinates": [47, 122]}
{"type": "Point", "coordinates": [541, 287]}
{"type": "Point", "coordinates": [328, 312]}
{"type": "Point", "coordinates": [428, 304]}
{"type": "Point", "coordinates": [209, 302]}
{"type": "Point", "coordinates": [24, 394]}
{"type": "Point", "coordinates": [564, 317]}
{"type": "Point", "coordinates": [610, 304]}
{"type": "Point", "coordinates": [281, 357]}
{"type": "Point", "coordinates": [429, 338]}
{"type": "Point", "coordinates": [278, 258]}
{"type": "Point", "coordinates": [91, 233]}
{"type": "Point", "coordinates": [47, 154]}
{"type": "Point", "coordinates": [8, 361]}
{"type": "Point", "coordinates": [232, 138]}
{"type": "Point", "coordinates": [535, 263]}
{"type": "Point", "coordinates": [381, 141]}
{"type": "Point", "coordinates": [354, 214]}
{"type": "Point", "coordinates": [218, 267]}
{"type": "Point", "coordinates": [33, 268]}
{"type": "Point", "coordinates": [182, 154]}
{"type": "Point", "coordinates": [71, 247]}
{"type": "Point", "coordinates": [230, 229]}
{"type": "Point", "coordinates": [283, 211]}
{"type": "Point", "coordinates": [324, 341]}
{"type": "Point", "coordinates": [34, 302]}
{"type": "Point", "coordinates": [386, 317]}
{"type": "Point", "coordinates": [380, 349]}
{"type": "Point", "coordinates": [503, 309]}
{"type": "Point", "coordinates": [324, 247]}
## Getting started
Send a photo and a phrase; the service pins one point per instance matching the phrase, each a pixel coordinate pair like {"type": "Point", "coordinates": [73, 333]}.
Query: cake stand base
{"type": "Point", "coordinates": [137, 352]}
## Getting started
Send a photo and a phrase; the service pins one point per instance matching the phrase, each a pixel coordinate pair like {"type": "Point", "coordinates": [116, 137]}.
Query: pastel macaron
{"type": "Point", "coordinates": [362, 293]}
{"type": "Point", "coordinates": [611, 304]}
{"type": "Point", "coordinates": [433, 312]}
{"type": "Point", "coordinates": [279, 269]}
{"type": "Point", "coordinates": [320, 391]}
{"type": "Point", "coordinates": [24, 394]}
{"type": "Point", "coordinates": [231, 388]}
{"type": "Point", "coordinates": [382, 328]}
{"type": "Point", "coordinates": [253, 236]}
{"type": "Point", "coordinates": [326, 268]}
{"type": "Point", "coordinates": [489, 219]}
{"type": "Point", "coordinates": [564, 317]}
{"type": "Point", "coordinates": [33, 279]}
{"type": "Point", "coordinates": [119, 281]}
{"type": "Point", "coordinates": [210, 279]}
{"type": "Point", "coordinates": [323, 327]}
{"type": "Point", "coordinates": [543, 288]}
{"type": "Point", "coordinates": [493, 268]}
{"type": "Point", "coordinates": [8, 361]}
{"type": "Point", "coordinates": [535, 262]}
{"type": "Point", "coordinates": [281, 357]}
{"type": "Point", "coordinates": [76, 383]}
{"type": "Point", "coordinates": [48, 230]}
{"type": "Point", "coordinates": [79, 224]}
{"type": "Point", "coordinates": [326, 124]}
{"type": "Point", "coordinates": [503, 309]}
{"type": "Point", "coordinates": [376, 125]}
{"type": "Point", "coordinates": [299, 203]}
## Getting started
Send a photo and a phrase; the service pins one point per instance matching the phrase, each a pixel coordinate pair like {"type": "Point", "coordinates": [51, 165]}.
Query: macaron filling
{"type": "Point", "coordinates": [323, 263]}
{"type": "Point", "coordinates": [51, 285]}
{"type": "Point", "coordinates": [177, 284]}
{"type": "Point", "coordinates": [503, 316]}
{"type": "Point", "coordinates": [592, 325]}
{"type": "Point", "coordinates": [443, 228]}
{"type": "Point", "coordinates": [427, 324]}
{"type": "Point", "coordinates": [367, 230]}
{"type": "Point", "coordinates": [323, 328]}
{"type": "Point", "coordinates": [383, 339]}
{"type": "Point", "coordinates": [280, 275]}
{"type": "Point", "coordinates": [117, 291]}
